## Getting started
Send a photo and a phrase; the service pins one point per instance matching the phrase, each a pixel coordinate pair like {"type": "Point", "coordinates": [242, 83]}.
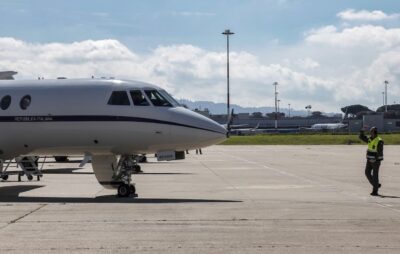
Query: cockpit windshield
{"type": "Point", "coordinates": [169, 98]}
{"type": "Point", "coordinates": [138, 98]}
{"type": "Point", "coordinates": [157, 98]}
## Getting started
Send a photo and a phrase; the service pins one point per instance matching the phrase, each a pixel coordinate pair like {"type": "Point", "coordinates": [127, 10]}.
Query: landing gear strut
{"type": "Point", "coordinates": [127, 166]}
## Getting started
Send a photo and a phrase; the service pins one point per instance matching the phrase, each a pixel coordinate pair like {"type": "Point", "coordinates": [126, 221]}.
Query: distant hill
{"type": "Point", "coordinates": [220, 108]}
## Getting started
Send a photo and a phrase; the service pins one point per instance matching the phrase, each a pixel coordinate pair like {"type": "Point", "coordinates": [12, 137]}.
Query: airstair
{"type": "Point", "coordinates": [28, 165]}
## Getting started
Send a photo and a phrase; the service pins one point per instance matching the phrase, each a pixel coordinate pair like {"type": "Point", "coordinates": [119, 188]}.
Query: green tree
{"type": "Point", "coordinates": [394, 107]}
{"type": "Point", "coordinates": [353, 110]}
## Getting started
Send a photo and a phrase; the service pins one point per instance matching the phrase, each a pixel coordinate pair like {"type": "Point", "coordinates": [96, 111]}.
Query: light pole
{"type": "Point", "coordinates": [278, 106]}
{"type": "Point", "coordinates": [289, 110]}
{"type": "Point", "coordinates": [308, 107]}
{"type": "Point", "coordinates": [383, 98]}
{"type": "Point", "coordinates": [275, 84]}
{"type": "Point", "coordinates": [386, 83]}
{"type": "Point", "coordinates": [227, 32]}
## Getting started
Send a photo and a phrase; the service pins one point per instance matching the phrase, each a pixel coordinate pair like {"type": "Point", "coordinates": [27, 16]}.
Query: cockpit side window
{"type": "Point", "coordinates": [119, 98]}
{"type": "Point", "coordinates": [157, 99]}
{"type": "Point", "coordinates": [138, 98]}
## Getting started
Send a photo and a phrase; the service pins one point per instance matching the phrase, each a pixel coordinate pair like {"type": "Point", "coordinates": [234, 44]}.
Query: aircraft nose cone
{"type": "Point", "coordinates": [218, 132]}
{"type": "Point", "coordinates": [211, 131]}
{"type": "Point", "coordinates": [201, 131]}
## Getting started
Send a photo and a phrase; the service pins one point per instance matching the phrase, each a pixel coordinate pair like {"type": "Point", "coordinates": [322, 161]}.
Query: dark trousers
{"type": "Point", "coordinates": [372, 173]}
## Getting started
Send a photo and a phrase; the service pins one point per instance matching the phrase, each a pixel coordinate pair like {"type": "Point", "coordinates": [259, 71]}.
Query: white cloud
{"type": "Point", "coordinates": [359, 36]}
{"type": "Point", "coordinates": [364, 15]}
{"type": "Point", "coordinates": [333, 67]}
{"type": "Point", "coordinates": [187, 71]}
{"type": "Point", "coordinates": [307, 63]}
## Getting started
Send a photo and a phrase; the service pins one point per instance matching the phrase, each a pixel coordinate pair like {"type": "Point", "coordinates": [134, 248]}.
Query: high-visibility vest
{"type": "Point", "coordinates": [372, 150]}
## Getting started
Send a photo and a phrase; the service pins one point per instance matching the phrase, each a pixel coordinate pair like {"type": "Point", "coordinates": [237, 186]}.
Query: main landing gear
{"type": "Point", "coordinates": [127, 165]}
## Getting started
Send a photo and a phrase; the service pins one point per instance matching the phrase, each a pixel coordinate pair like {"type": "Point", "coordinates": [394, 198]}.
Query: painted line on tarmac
{"type": "Point", "coordinates": [345, 193]}
{"type": "Point", "coordinates": [279, 171]}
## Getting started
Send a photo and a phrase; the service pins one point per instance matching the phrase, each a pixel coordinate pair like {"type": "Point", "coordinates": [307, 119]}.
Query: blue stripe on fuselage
{"type": "Point", "coordinates": [94, 118]}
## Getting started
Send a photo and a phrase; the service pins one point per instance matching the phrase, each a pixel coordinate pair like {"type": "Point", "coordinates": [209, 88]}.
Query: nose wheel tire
{"type": "Point", "coordinates": [124, 190]}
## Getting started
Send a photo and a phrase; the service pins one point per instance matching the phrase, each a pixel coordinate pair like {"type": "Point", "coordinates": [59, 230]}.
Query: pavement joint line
{"type": "Point", "coordinates": [387, 207]}
{"type": "Point", "coordinates": [23, 216]}
{"type": "Point", "coordinates": [241, 247]}
{"type": "Point", "coordinates": [226, 182]}
{"type": "Point", "coordinates": [279, 171]}
{"type": "Point", "coordinates": [209, 220]}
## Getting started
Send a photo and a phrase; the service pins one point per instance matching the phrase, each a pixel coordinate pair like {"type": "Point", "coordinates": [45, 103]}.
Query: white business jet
{"type": "Point", "coordinates": [328, 126]}
{"type": "Point", "coordinates": [108, 119]}
{"type": "Point", "coordinates": [246, 131]}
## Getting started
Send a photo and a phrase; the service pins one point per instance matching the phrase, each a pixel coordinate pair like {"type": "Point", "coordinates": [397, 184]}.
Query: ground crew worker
{"type": "Point", "coordinates": [374, 158]}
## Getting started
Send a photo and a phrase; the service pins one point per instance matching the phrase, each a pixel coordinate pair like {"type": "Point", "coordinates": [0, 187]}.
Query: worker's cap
{"type": "Point", "coordinates": [373, 129]}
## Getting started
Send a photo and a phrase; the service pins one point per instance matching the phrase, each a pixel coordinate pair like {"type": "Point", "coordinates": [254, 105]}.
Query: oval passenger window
{"type": "Point", "coordinates": [5, 102]}
{"type": "Point", "coordinates": [25, 102]}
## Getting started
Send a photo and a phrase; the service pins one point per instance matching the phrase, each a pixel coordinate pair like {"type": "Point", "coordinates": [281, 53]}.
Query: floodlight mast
{"type": "Point", "coordinates": [227, 32]}
{"type": "Point", "coordinates": [275, 84]}
{"type": "Point", "coordinates": [383, 98]}
{"type": "Point", "coordinates": [386, 83]}
{"type": "Point", "coordinates": [278, 106]}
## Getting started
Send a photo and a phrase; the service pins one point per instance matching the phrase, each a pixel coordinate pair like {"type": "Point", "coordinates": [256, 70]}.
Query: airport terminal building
{"type": "Point", "coordinates": [377, 120]}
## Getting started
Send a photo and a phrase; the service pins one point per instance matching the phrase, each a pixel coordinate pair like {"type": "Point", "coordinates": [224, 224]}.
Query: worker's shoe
{"type": "Point", "coordinates": [374, 193]}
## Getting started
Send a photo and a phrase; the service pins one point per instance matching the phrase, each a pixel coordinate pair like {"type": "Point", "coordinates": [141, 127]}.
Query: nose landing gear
{"type": "Point", "coordinates": [127, 165]}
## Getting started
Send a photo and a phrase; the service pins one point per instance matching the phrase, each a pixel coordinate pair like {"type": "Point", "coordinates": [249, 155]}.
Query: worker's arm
{"type": "Point", "coordinates": [363, 137]}
{"type": "Point", "coordinates": [380, 151]}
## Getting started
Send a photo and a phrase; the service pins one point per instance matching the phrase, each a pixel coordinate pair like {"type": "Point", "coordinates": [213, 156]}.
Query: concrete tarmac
{"type": "Point", "coordinates": [231, 199]}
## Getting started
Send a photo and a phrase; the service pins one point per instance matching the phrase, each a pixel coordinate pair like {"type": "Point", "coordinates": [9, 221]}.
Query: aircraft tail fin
{"type": "Point", "coordinates": [7, 75]}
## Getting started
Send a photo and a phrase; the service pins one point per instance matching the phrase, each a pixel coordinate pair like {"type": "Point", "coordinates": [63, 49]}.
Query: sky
{"type": "Point", "coordinates": [327, 54]}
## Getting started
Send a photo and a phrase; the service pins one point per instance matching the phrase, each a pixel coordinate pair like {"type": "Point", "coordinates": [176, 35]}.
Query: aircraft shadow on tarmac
{"type": "Point", "coordinates": [59, 162]}
{"type": "Point", "coordinates": [65, 171]}
{"type": "Point", "coordinates": [157, 162]}
{"type": "Point", "coordinates": [74, 171]}
{"type": "Point", "coordinates": [10, 194]}
{"type": "Point", "coordinates": [164, 173]}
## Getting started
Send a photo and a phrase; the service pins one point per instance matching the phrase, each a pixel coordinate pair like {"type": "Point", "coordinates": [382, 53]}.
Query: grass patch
{"type": "Point", "coordinates": [305, 139]}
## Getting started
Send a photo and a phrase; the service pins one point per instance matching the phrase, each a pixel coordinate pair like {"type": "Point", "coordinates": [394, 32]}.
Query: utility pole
{"type": "Point", "coordinates": [386, 83]}
{"type": "Point", "coordinates": [275, 84]}
{"type": "Point", "coordinates": [227, 32]}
